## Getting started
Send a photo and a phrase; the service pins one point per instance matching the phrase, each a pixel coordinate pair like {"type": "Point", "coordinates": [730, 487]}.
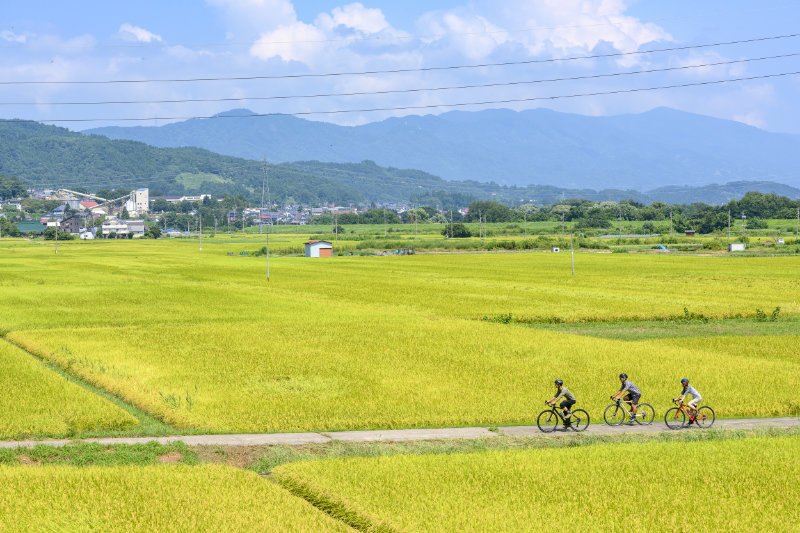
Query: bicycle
{"type": "Point", "coordinates": [615, 414]}
{"type": "Point", "coordinates": [675, 417]}
{"type": "Point", "coordinates": [548, 419]}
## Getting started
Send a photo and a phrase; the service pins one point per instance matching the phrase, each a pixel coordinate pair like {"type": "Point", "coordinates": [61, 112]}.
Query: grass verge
{"type": "Point", "coordinates": [92, 454]}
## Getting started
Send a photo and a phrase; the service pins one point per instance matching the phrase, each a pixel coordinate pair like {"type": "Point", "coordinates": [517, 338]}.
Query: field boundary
{"type": "Point", "coordinates": [148, 423]}
{"type": "Point", "coordinates": [397, 435]}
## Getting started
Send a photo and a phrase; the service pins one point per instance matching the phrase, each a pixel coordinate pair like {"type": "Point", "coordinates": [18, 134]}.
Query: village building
{"type": "Point", "coordinates": [319, 249]}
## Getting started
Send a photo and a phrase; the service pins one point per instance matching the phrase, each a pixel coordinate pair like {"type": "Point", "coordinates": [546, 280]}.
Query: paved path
{"type": "Point", "coordinates": [396, 435]}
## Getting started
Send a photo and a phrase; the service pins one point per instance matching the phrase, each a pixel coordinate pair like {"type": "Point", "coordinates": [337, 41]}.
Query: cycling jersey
{"type": "Point", "coordinates": [565, 393]}
{"type": "Point", "coordinates": [630, 387]}
{"type": "Point", "coordinates": [691, 390]}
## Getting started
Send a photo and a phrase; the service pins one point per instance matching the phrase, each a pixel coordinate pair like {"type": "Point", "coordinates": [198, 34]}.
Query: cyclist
{"type": "Point", "coordinates": [630, 392]}
{"type": "Point", "coordinates": [688, 389]}
{"type": "Point", "coordinates": [569, 400]}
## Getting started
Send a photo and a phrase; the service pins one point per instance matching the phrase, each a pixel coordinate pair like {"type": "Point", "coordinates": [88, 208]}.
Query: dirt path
{"type": "Point", "coordinates": [298, 439]}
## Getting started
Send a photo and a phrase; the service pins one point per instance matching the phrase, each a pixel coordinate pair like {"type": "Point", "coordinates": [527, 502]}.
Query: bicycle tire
{"type": "Point", "coordinates": [647, 414]}
{"type": "Point", "coordinates": [580, 420]}
{"type": "Point", "coordinates": [676, 419]}
{"type": "Point", "coordinates": [547, 421]}
{"type": "Point", "coordinates": [614, 415]}
{"type": "Point", "coordinates": [705, 417]}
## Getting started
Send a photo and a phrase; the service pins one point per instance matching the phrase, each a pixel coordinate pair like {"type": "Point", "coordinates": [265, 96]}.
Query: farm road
{"type": "Point", "coordinates": [396, 435]}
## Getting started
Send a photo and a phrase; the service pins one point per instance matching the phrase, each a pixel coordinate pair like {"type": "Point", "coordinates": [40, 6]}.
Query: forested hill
{"type": "Point", "coordinates": [44, 155]}
{"type": "Point", "coordinates": [538, 146]}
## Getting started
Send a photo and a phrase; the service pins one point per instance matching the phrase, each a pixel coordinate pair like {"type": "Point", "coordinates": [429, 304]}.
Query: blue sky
{"type": "Point", "coordinates": [94, 40]}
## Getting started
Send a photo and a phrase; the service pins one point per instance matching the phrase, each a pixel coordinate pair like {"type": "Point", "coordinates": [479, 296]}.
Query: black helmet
{"type": "Point", "coordinates": [559, 382]}
{"type": "Point", "coordinates": [684, 380]}
{"type": "Point", "coordinates": [624, 375]}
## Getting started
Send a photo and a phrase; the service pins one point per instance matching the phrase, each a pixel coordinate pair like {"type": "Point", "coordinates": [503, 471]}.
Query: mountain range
{"type": "Point", "coordinates": [539, 146]}
{"type": "Point", "coordinates": [50, 156]}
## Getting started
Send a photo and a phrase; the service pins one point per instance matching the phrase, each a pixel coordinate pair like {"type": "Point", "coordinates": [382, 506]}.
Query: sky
{"type": "Point", "coordinates": [62, 45]}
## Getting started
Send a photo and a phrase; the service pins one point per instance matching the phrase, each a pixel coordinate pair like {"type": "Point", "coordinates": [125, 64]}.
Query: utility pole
{"type": "Point", "coordinates": [384, 222]}
{"type": "Point", "coordinates": [797, 229]}
{"type": "Point", "coordinates": [269, 201]}
{"type": "Point", "coordinates": [620, 224]}
{"type": "Point", "coordinates": [729, 226]}
{"type": "Point", "coordinates": [200, 215]}
{"type": "Point", "coordinates": [57, 225]}
{"type": "Point", "coordinates": [215, 225]}
{"type": "Point", "coordinates": [572, 253]}
{"type": "Point", "coordinates": [670, 222]}
{"type": "Point", "coordinates": [525, 218]}
{"type": "Point", "coordinates": [744, 217]}
{"type": "Point", "coordinates": [562, 224]}
{"type": "Point", "coordinates": [335, 230]}
{"type": "Point", "coordinates": [261, 211]}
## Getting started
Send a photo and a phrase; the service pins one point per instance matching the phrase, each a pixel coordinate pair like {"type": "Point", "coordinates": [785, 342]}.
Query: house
{"type": "Point", "coordinates": [136, 228]}
{"type": "Point", "coordinates": [112, 225]}
{"type": "Point", "coordinates": [172, 232]}
{"type": "Point", "coordinates": [86, 234]}
{"type": "Point", "coordinates": [88, 204]}
{"type": "Point", "coordinates": [319, 249]}
{"type": "Point", "coordinates": [71, 225]}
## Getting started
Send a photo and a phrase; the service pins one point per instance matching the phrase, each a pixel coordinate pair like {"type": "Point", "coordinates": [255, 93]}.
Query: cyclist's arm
{"type": "Point", "coordinates": [551, 400]}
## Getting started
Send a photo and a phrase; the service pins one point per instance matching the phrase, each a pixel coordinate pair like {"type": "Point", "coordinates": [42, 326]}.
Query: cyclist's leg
{"type": "Point", "coordinates": [634, 402]}
{"type": "Point", "coordinates": [565, 405]}
{"type": "Point", "coordinates": [693, 405]}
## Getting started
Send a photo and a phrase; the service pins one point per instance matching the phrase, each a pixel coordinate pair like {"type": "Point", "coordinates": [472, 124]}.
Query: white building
{"type": "Point", "coordinates": [139, 202]}
{"type": "Point", "coordinates": [112, 225]}
{"type": "Point", "coordinates": [319, 249]}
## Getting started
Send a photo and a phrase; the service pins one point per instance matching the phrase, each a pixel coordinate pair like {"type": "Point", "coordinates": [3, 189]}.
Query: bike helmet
{"type": "Point", "coordinates": [559, 382]}
{"type": "Point", "coordinates": [685, 381]}
{"type": "Point", "coordinates": [624, 375]}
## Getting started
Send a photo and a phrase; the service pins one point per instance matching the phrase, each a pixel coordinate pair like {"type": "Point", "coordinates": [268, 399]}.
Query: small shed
{"type": "Point", "coordinates": [555, 249]}
{"type": "Point", "coordinates": [690, 232]}
{"type": "Point", "coordinates": [736, 247]}
{"type": "Point", "coordinates": [319, 249]}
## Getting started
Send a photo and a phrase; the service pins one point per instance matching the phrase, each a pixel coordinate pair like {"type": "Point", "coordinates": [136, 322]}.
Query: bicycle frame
{"type": "Point", "coordinates": [685, 409]}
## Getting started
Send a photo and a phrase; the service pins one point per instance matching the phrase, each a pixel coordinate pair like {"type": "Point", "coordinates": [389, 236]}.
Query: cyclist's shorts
{"type": "Point", "coordinates": [566, 404]}
{"type": "Point", "coordinates": [633, 398]}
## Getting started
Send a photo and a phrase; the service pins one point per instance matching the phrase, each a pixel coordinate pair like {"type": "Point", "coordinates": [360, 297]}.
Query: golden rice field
{"type": "Point", "coordinates": [205, 342]}
{"type": "Point", "coordinates": [406, 372]}
{"type": "Point", "coordinates": [729, 485]}
{"type": "Point", "coordinates": [36, 400]}
{"type": "Point", "coordinates": [150, 498]}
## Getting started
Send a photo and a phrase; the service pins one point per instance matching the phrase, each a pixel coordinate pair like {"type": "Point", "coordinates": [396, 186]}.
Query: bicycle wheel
{"type": "Point", "coordinates": [580, 420]}
{"type": "Point", "coordinates": [614, 415]}
{"type": "Point", "coordinates": [645, 413]}
{"type": "Point", "coordinates": [547, 421]}
{"type": "Point", "coordinates": [675, 418]}
{"type": "Point", "coordinates": [705, 417]}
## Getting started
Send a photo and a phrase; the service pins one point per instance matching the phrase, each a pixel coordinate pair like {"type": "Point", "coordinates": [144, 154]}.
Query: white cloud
{"type": "Point", "coordinates": [130, 32]}
{"type": "Point", "coordinates": [354, 16]}
{"type": "Point", "coordinates": [12, 37]}
{"type": "Point", "coordinates": [295, 42]}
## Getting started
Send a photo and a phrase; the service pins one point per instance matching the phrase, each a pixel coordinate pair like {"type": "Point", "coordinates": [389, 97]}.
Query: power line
{"type": "Point", "coordinates": [400, 91]}
{"type": "Point", "coordinates": [405, 70]}
{"type": "Point", "coordinates": [417, 107]}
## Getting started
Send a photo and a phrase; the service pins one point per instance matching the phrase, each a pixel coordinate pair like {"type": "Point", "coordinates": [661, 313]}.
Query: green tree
{"type": "Point", "coordinates": [456, 231]}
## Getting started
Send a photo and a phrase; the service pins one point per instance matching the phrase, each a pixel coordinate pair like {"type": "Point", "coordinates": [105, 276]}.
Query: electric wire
{"type": "Point", "coordinates": [400, 91]}
{"type": "Point", "coordinates": [418, 107]}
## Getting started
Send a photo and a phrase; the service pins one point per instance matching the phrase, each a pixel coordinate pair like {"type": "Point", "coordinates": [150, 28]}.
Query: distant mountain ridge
{"type": "Point", "coordinates": [44, 155]}
{"type": "Point", "coordinates": [540, 146]}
